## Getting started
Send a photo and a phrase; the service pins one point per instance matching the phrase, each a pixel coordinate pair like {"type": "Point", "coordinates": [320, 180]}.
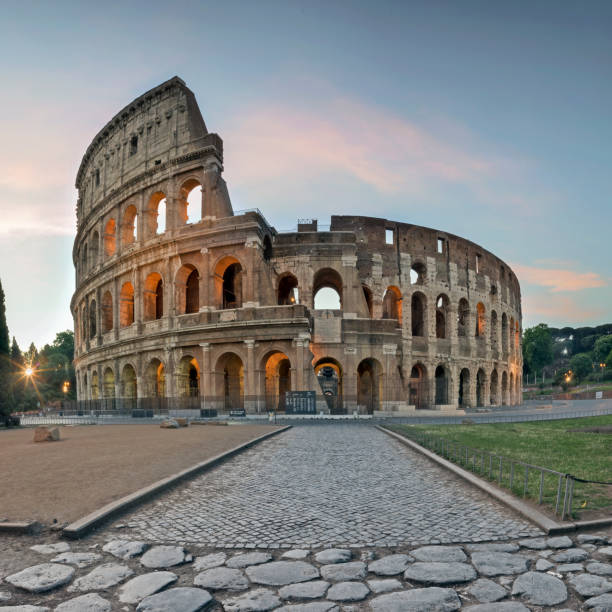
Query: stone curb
{"type": "Point", "coordinates": [19, 527]}
{"type": "Point", "coordinates": [539, 519]}
{"type": "Point", "coordinates": [82, 526]}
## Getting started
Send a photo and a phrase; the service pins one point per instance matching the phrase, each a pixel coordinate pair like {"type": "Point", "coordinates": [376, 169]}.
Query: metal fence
{"type": "Point", "coordinates": [543, 485]}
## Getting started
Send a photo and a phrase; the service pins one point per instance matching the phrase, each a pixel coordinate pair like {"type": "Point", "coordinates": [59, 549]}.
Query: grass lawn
{"type": "Point", "coordinates": [547, 444]}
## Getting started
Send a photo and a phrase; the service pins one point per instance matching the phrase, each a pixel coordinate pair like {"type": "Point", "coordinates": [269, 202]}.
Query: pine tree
{"type": "Point", "coordinates": [6, 402]}
{"type": "Point", "coordinates": [17, 370]}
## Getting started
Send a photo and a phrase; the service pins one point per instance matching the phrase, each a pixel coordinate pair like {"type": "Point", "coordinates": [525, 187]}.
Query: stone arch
{"type": "Point", "coordinates": [442, 380]}
{"type": "Point", "coordinates": [442, 307]}
{"type": "Point", "coordinates": [511, 389]}
{"type": "Point", "coordinates": [494, 390]}
{"type": "Point", "coordinates": [493, 330]}
{"type": "Point", "coordinates": [369, 300]}
{"type": "Point", "coordinates": [190, 201]}
{"type": "Point", "coordinates": [327, 279]}
{"type": "Point", "coordinates": [110, 238]}
{"type": "Point", "coordinates": [129, 385]}
{"type": "Point", "coordinates": [517, 336]}
{"type": "Point", "coordinates": [369, 384]}
{"type": "Point", "coordinates": [229, 377]}
{"type": "Point", "coordinates": [266, 252]}
{"type": "Point", "coordinates": [126, 305]}
{"type": "Point", "coordinates": [329, 373]}
{"type": "Point", "coordinates": [504, 332]}
{"type": "Point", "coordinates": [153, 299]}
{"type": "Point", "coordinates": [418, 273]}
{"type": "Point", "coordinates": [129, 225]}
{"type": "Point", "coordinates": [463, 397]}
{"type": "Point", "coordinates": [277, 370]}
{"type": "Point", "coordinates": [107, 312]}
{"type": "Point", "coordinates": [188, 377]}
{"type": "Point", "coordinates": [155, 379]}
{"type": "Point", "coordinates": [108, 385]}
{"type": "Point", "coordinates": [95, 386]}
{"type": "Point", "coordinates": [463, 318]}
{"type": "Point", "coordinates": [481, 377]}
{"type": "Point", "coordinates": [228, 282]}
{"type": "Point", "coordinates": [93, 313]}
{"type": "Point", "coordinates": [85, 321]}
{"type": "Point", "coordinates": [479, 332]}
{"type": "Point", "coordinates": [418, 305]}
{"type": "Point", "coordinates": [510, 334]}
{"type": "Point", "coordinates": [504, 389]}
{"type": "Point", "coordinates": [187, 282]}
{"type": "Point", "coordinates": [418, 389]}
{"type": "Point", "coordinates": [84, 262]}
{"type": "Point", "coordinates": [287, 292]}
{"type": "Point", "coordinates": [392, 304]}
{"type": "Point", "coordinates": [156, 214]}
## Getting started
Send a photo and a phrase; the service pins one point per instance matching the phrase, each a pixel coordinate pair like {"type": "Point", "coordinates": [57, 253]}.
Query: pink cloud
{"type": "Point", "coordinates": [387, 152]}
{"type": "Point", "coordinates": [558, 279]}
{"type": "Point", "coordinates": [557, 309]}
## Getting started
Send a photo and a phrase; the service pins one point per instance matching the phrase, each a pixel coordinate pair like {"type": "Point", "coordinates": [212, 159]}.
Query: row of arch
{"type": "Point", "coordinates": [123, 230]}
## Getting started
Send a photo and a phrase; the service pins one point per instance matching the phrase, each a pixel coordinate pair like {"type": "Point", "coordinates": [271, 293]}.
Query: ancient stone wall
{"type": "Point", "coordinates": [176, 296]}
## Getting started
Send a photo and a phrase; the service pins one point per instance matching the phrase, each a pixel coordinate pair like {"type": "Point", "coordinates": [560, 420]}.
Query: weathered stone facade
{"type": "Point", "coordinates": [220, 307]}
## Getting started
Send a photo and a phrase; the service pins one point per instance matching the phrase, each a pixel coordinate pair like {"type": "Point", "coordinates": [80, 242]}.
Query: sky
{"type": "Point", "coordinates": [490, 120]}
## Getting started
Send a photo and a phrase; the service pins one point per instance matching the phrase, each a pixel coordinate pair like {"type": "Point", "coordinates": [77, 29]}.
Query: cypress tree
{"type": "Point", "coordinates": [5, 363]}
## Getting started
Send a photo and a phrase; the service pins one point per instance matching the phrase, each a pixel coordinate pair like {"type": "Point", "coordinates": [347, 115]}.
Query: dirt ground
{"type": "Point", "coordinates": [95, 464]}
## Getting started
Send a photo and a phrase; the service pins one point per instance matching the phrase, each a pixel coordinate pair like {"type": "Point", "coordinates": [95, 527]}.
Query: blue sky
{"type": "Point", "coordinates": [490, 120]}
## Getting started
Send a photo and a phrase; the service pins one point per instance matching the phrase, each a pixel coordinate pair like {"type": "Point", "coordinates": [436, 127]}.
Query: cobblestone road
{"type": "Point", "coordinates": [317, 486]}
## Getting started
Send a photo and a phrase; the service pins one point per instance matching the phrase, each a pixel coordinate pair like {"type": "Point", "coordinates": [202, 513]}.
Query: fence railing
{"type": "Point", "coordinates": [543, 485]}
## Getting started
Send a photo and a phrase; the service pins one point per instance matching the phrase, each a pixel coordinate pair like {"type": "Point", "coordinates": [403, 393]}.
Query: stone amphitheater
{"type": "Point", "coordinates": [180, 297]}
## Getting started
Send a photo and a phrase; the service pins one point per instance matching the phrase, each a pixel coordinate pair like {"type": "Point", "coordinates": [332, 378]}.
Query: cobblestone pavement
{"type": "Point", "coordinates": [319, 486]}
{"type": "Point", "coordinates": [100, 574]}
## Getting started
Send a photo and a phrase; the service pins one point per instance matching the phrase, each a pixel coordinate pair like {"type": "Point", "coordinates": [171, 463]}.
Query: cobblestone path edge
{"type": "Point", "coordinates": [541, 520]}
{"type": "Point", "coordinates": [84, 525]}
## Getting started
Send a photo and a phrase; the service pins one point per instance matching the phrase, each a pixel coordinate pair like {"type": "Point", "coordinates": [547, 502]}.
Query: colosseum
{"type": "Point", "coordinates": [179, 297]}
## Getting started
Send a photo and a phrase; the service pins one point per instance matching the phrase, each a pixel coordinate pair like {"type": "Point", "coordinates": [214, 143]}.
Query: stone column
{"type": "Point", "coordinates": [206, 382]}
{"type": "Point", "coordinates": [205, 281]}
{"type": "Point", "coordinates": [116, 302]}
{"type": "Point", "coordinates": [138, 300]}
{"type": "Point", "coordinates": [250, 391]}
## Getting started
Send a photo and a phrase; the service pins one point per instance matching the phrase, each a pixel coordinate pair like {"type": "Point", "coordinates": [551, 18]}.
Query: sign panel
{"type": "Point", "coordinates": [300, 402]}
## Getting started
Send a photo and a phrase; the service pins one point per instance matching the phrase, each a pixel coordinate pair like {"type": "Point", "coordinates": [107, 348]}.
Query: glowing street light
{"type": "Point", "coordinates": [66, 386]}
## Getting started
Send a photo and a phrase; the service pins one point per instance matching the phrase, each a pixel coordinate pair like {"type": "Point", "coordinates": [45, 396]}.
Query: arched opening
{"type": "Point", "coordinates": [327, 290]}
{"type": "Point", "coordinates": [190, 197]}
{"type": "Point", "coordinates": [94, 249]}
{"type": "Point", "coordinates": [277, 368]}
{"type": "Point", "coordinates": [128, 382]}
{"type": "Point", "coordinates": [329, 374]}
{"type": "Point", "coordinates": [494, 388]}
{"type": "Point", "coordinates": [517, 336]}
{"type": "Point", "coordinates": [192, 292]}
{"type": "Point", "coordinates": [95, 386]}
{"type": "Point", "coordinates": [418, 386]}
{"type": "Point", "coordinates": [129, 225]}
{"type": "Point", "coordinates": [493, 330]}
{"type": "Point", "coordinates": [504, 389]}
{"type": "Point", "coordinates": [156, 214]}
{"type": "Point", "coordinates": [464, 388]}
{"type": "Point", "coordinates": [504, 334]}
{"type": "Point", "coordinates": [463, 318]}
{"type": "Point", "coordinates": [418, 273]}
{"type": "Point", "coordinates": [367, 294]}
{"type": "Point", "coordinates": [110, 239]}
{"type": "Point", "coordinates": [511, 333]}
{"type": "Point", "coordinates": [188, 377]}
{"type": "Point", "coordinates": [441, 386]}
{"type": "Point", "coordinates": [369, 385]}
{"type": "Point", "coordinates": [418, 305]}
{"type": "Point", "coordinates": [84, 259]}
{"type": "Point", "coordinates": [109, 383]}
{"type": "Point", "coordinates": [85, 322]}
{"type": "Point", "coordinates": [442, 304]}
{"type": "Point", "coordinates": [479, 332]}
{"type": "Point", "coordinates": [230, 381]}
{"type": "Point", "coordinates": [392, 304]}
{"type": "Point", "coordinates": [287, 290]}
{"type": "Point", "coordinates": [480, 388]}
{"type": "Point", "coordinates": [232, 286]}
{"type": "Point", "coordinates": [155, 379]}
{"type": "Point", "coordinates": [93, 313]}
{"type": "Point", "coordinates": [153, 297]}
{"type": "Point", "coordinates": [107, 312]}
{"type": "Point", "coordinates": [126, 305]}
{"type": "Point", "coordinates": [511, 399]}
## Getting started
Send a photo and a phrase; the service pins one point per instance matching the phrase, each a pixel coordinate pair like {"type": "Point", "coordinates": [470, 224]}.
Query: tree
{"type": "Point", "coordinates": [6, 400]}
{"type": "Point", "coordinates": [603, 346]}
{"type": "Point", "coordinates": [581, 365]}
{"type": "Point", "coordinates": [537, 348]}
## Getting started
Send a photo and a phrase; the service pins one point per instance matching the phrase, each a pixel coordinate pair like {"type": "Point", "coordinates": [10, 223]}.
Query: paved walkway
{"type": "Point", "coordinates": [316, 486]}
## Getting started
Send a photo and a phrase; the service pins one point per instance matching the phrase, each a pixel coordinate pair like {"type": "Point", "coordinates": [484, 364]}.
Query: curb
{"type": "Point", "coordinates": [20, 527]}
{"type": "Point", "coordinates": [82, 526]}
{"type": "Point", "coordinates": [541, 520]}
